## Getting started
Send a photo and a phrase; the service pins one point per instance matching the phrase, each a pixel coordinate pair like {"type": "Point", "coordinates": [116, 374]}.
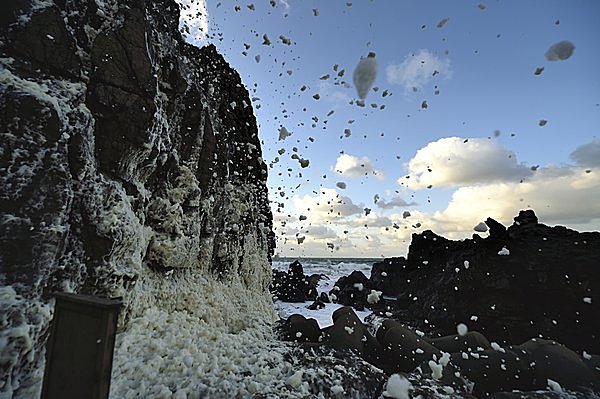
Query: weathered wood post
{"type": "Point", "coordinates": [80, 347]}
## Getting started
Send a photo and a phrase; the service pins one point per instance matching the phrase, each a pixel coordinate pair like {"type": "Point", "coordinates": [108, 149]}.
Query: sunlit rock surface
{"type": "Point", "coordinates": [130, 167]}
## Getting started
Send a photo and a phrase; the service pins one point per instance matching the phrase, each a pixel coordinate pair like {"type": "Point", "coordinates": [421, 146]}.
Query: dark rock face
{"type": "Point", "coordinates": [545, 286]}
{"type": "Point", "coordinates": [352, 290]}
{"type": "Point", "coordinates": [126, 156]}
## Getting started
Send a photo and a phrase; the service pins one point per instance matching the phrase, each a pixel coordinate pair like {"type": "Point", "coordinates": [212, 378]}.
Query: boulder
{"type": "Point", "coordinates": [403, 350]}
{"type": "Point", "coordinates": [470, 342]}
{"type": "Point", "coordinates": [352, 290]}
{"type": "Point", "coordinates": [347, 331]}
{"type": "Point", "coordinates": [552, 360]}
{"type": "Point", "coordinates": [298, 328]}
{"type": "Point", "coordinates": [294, 286]}
{"type": "Point", "coordinates": [494, 371]}
{"type": "Point", "coordinates": [316, 305]}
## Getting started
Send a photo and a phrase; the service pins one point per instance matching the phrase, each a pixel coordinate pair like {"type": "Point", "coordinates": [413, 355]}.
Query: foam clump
{"type": "Point", "coordinates": [560, 51]}
{"type": "Point", "coordinates": [397, 387]}
{"type": "Point", "coordinates": [364, 75]}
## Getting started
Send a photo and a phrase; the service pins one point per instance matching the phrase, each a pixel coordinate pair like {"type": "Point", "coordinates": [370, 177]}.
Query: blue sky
{"type": "Point", "coordinates": [484, 91]}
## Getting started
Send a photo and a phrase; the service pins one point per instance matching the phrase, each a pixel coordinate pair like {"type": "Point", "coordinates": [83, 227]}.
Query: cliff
{"type": "Point", "coordinates": [130, 166]}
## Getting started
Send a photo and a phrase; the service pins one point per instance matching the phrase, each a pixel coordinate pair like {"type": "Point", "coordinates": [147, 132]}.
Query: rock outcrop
{"type": "Point", "coordinates": [294, 285]}
{"type": "Point", "coordinates": [130, 167]}
{"type": "Point", "coordinates": [525, 281]}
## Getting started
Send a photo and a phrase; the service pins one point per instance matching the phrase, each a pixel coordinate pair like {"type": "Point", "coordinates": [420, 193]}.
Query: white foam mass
{"type": "Point", "coordinates": [374, 296]}
{"type": "Point", "coordinates": [560, 51]}
{"type": "Point", "coordinates": [504, 251]}
{"type": "Point", "coordinates": [397, 387]}
{"type": "Point", "coordinates": [205, 338]}
{"type": "Point", "coordinates": [364, 75]}
{"type": "Point", "coordinates": [436, 369]}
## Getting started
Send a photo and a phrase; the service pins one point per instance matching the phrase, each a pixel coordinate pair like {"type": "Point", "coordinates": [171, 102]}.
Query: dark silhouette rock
{"type": "Point", "coordinates": [352, 290]}
{"type": "Point", "coordinates": [526, 217]}
{"type": "Point", "coordinates": [403, 350]}
{"type": "Point", "coordinates": [300, 329]}
{"type": "Point", "coordinates": [347, 331]}
{"type": "Point", "coordinates": [385, 273]}
{"type": "Point", "coordinates": [525, 367]}
{"type": "Point", "coordinates": [324, 297]}
{"type": "Point", "coordinates": [294, 286]}
{"type": "Point", "coordinates": [127, 156]}
{"type": "Point", "coordinates": [470, 342]}
{"type": "Point", "coordinates": [316, 305]}
{"type": "Point", "coordinates": [551, 360]}
{"type": "Point", "coordinates": [464, 364]}
{"type": "Point", "coordinates": [494, 371]}
{"type": "Point", "coordinates": [542, 286]}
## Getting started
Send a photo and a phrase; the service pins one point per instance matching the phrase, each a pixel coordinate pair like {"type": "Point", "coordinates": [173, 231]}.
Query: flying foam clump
{"type": "Point", "coordinates": [364, 75]}
{"type": "Point", "coordinates": [284, 133]}
{"type": "Point", "coordinates": [560, 51]}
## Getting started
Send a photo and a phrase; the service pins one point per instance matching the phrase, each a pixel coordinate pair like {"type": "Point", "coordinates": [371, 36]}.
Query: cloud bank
{"type": "Point", "coordinates": [453, 161]}
{"type": "Point", "coordinates": [418, 69]}
{"type": "Point", "coordinates": [587, 155]}
{"type": "Point", "coordinates": [351, 166]}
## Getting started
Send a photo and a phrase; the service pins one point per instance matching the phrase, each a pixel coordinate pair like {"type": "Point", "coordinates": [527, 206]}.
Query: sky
{"type": "Point", "coordinates": [471, 115]}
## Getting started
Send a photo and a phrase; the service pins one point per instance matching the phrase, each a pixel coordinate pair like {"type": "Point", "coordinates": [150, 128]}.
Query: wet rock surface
{"type": "Point", "coordinates": [463, 366]}
{"type": "Point", "coordinates": [294, 285]}
{"type": "Point", "coordinates": [526, 297]}
{"type": "Point", "coordinates": [127, 156]}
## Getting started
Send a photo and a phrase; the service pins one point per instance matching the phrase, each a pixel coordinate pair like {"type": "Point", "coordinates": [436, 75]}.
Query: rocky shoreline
{"type": "Point", "coordinates": [508, 315]}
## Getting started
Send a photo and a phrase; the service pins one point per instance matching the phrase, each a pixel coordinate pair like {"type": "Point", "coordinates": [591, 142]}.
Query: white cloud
{"type": "Point", "coordinates": [395, 202]}
{"type": "Point", "coordinates": [565, 195]}
{"type": "Point", "coordinates": [557, 194]}
{"type": "Point", "coordinates": [193, 19]}
{"type": "Point", "coordinates": [451, 161]}
{"type": "Point", "coordinates": [587, 155]}
{"type": "Point", "coordinates": [335, 94]}
{"type": "Point", "coordinates": [371, 220]}
{"type": "Point", "coordinates": [328, 205]}
{"type": "Point", "coordinates": [418, 69]}
{"type": "Point", "coordinates": [351, 166]}
{"type": "Point", "coordinates": [319, 232]}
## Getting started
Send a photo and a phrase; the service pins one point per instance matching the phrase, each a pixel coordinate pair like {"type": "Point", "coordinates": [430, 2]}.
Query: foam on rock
{"type": "Point", "coordinates": [131, 167]}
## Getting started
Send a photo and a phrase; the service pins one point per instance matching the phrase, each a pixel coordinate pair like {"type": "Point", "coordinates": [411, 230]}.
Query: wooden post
{"type": "Point", "coordinates": [80, 347]}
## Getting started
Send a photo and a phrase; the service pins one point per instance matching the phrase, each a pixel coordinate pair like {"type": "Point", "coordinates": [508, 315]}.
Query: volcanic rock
{"type": "Point", "coordinates": [544, 287]}
{"type": "Point", "coordinates": [294, 286]}
{"type": "Point", "coordinates": [352, 290]}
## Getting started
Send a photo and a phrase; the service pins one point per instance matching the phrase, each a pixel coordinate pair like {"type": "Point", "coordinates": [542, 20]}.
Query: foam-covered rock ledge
{"type": "Point", "coordinates": [130, 167]}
